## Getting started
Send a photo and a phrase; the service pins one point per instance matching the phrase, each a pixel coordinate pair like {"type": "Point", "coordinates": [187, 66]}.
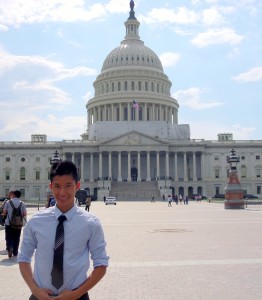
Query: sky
{"type": "Point", "coordinates": [51, 52]}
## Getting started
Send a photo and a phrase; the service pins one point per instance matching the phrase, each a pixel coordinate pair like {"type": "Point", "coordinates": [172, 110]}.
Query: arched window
{"type": "Point", "coordinates": [243, 172]}
{"type": "Point", "coordinates": [22, 173]}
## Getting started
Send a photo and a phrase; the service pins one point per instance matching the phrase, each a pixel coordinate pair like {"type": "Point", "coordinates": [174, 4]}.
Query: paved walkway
{"type": "Point", "coordinates": [199, 251]}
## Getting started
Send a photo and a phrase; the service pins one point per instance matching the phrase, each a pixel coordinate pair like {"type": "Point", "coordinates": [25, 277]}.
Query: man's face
{"type": "Point", "coordinates": [64, 189]}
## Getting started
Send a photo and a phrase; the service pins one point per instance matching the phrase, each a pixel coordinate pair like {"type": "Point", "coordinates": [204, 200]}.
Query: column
{"type": "Point", "coordinates": [175, 167]}
{"type": "Point", "coordinates": [110, 165]}
{"type": "Point", "coordinates": [157, 165]}
{"type": "Point", "coordinates": [91, 167]}
{"type": "Point", "coordinates": [148, 175]}
{"type": "Point", "coordinates": [138, 166]}
{"type": "Point", "coordinates": [112, 113]}
{"type": "Point", "coordinates": [121, 112]}
{"type": "Point", "coordinates": [167, 165]}
{"type": "Point", "coordinates": [128, 166]}
{"type": "Point", "coordinates": [119, 167]}
{"type": "Point", "coordinates": [73, 157]}
{"type": "Point", "coordinates": [99, 113]}
{"type": "Point", "coordinates": [82, 166]}
{"type": "Point", "coordinates": [185, 168]}
{"type": "Point", "coordinates": [145, 112]}
{"type": "Point", "coordinates": [128, 112]}
{"type": "Point", "coordinates": [202, 171]}
{"type": "Point", "coordinates": [153, 112]}
{"type": "Point", "coordinates": [100, 175]}
{"type": "Point", "coordinates": [194, 167]}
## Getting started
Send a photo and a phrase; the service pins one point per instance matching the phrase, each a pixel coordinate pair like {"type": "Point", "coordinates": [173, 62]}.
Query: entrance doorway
{"type": "Point", "coordinates": [134, 174]}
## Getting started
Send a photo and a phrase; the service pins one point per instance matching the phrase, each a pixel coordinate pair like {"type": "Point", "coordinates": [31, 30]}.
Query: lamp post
{"type": "Point", "coordinates": [56, 158]}
{"type": "Point", "coordinates": [233, 188]}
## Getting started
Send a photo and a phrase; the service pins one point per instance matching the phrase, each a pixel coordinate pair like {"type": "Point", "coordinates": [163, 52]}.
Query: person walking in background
{"type": "Point", "coordinates": [153, 199]}
{"type": "Point", "coordinates": [169, 199]}
{"type": "Point", "coordinates": [63, 238]}
{"type": "Point", "coordinates": [88, 203]}
{"type": "Point", "coordinates": [13, 231]}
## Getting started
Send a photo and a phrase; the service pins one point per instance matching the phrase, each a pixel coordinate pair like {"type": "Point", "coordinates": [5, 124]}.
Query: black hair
{"type": "Point", "coordinates": [17, 193]}
{"type": "Point", "coordinates": [64, 167]}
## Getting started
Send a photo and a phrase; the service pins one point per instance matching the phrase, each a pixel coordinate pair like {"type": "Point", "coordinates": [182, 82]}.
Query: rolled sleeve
{"type": "Point", "coordinates": [97, 245]}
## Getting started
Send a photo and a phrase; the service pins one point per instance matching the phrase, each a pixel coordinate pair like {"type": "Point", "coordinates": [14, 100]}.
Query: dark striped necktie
{"type": "Point", "coordinates": [57, 270]}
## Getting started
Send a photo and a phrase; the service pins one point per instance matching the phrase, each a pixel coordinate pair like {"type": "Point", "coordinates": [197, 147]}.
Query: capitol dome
{"type": "Point", "coordinates": [132, 92]}
{"type": "Point", "coordinates": [132, 52]}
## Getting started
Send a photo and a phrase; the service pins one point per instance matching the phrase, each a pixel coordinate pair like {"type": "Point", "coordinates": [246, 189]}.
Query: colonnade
{"type": "Point", "coordinates": [138, 165]}
{"type": "Point", "coordinates": [126, 112]}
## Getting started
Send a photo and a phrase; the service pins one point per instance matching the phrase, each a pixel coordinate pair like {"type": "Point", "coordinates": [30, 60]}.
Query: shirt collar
{"type": "Point", "coordinates": [68, 214]}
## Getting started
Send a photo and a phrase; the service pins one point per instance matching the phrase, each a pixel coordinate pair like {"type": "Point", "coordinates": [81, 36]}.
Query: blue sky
{"type": "Point", "coordinates": [52, 50]}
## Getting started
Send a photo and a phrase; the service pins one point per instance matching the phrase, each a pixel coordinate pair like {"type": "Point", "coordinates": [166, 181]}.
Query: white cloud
{"type": "Point", "coordinates": [169, 59]}
{"type": "Point", "coordinates": [181, 15]}
{"type": "Point", "coordinates": [117, 6]}
{"type": "Point", "coordinates": [212, 129]}
{"type": "Point", "coordinates": [216, 37]}
{"type": "Point", "coordinates": [16, 12]}
{"type": "Point", "coordinates": [212, 16]}
{"type": "Point", "coordinates": [191, 98]}
{"type": "Point", "coordinates": [254, 74]}
{"type": "Point", "coordinates": [3, 27]}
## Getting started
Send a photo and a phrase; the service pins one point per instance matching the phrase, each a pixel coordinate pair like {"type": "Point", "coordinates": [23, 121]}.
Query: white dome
{"type": "Point", "coordinates": [132, 53]}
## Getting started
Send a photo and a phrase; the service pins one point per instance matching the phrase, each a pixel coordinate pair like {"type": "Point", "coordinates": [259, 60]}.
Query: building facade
{"type": "Point", "coordinates": [133, 135]}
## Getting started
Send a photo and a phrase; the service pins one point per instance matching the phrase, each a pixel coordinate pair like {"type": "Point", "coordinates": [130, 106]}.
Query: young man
{"type": "Point", "coordinates": [13, 234]}
{"type": "Point", "coordinates": [83, 235]}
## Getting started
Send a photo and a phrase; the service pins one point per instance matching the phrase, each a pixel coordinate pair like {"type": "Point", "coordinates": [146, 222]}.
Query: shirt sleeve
{"type": "Point", "coordinates": [97, 245]}
{"type": "Point", "coordinates": [28, 245]}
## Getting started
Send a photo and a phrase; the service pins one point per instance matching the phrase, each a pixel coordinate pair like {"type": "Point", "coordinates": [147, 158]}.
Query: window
{"type": "Point", "coordinates": [257, 157]}
{"type": "Point", "coordinates": [139, 86]}
{"type": "Point", "coordinates": [152, 87]}
{"type": "Point", "coordinates": [216, 173]}
{"type": "Point", "coordinates": [37, 192]}
{"type": "Point", "coordinates": [22, 193]}
{"type": "Point", "coordinates": [132, 85]}
{"type": "Point", "coordinates": [243, 172]}
{"type": "Point", "coordinates": [22, 173]}
{"type": "Point", "coordinates": [37, 159]}
{"type": "Point", "coordinates": [7, 175]}
{"type": "Point", "coordinates": [125, 85]}
{"type": "Point", "coordinates": [22, 159]}
{"type": "Point", "coordinates": [216, 158]}
{"type": "Point", "coordinates": [37, 175]}
{"type": "Point", "coordinates": [119, 86]}
{"type": "Point", "coordinates": [259, 190]}
{"type": "Point", "coordinates": [7, 159]}
{"type": "Point", "coordinates": [258, 173]}
{"type": "Point", "coordinates": [113, 86]}
{"type": "Point", "coordinates": [146, 86]}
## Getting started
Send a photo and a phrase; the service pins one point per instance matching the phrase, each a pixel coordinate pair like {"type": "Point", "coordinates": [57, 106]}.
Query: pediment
{"type": "Point", "coordinates": [134, 138]}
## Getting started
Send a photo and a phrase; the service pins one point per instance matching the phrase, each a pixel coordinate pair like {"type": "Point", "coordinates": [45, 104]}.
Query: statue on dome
{"type": "Point", "coordinates": [132, 4]}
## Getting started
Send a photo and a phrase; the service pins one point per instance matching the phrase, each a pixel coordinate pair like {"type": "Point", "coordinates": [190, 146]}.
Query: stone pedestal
{"type": "Point", "coordinates": [234, 192]}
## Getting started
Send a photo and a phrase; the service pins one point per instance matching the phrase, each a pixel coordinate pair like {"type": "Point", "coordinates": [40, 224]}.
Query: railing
{"type": "Point", "coordinates": [253, 202]}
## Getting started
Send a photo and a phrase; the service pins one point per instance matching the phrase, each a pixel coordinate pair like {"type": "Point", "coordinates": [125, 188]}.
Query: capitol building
{"type": "Point", "coordinates": [133, 146]}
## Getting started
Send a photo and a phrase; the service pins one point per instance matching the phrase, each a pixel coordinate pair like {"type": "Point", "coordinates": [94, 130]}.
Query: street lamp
{"type": "Point", "coordinates": [233, 160]}
{"type": "Point", "coordinates": [55, 159]}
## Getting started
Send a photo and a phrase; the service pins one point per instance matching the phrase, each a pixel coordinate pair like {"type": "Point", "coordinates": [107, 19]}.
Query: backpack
{"type": "Point", "coordinates": [16, 220]}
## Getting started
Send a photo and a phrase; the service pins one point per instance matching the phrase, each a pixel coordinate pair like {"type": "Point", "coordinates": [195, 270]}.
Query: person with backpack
{"type": "Point", "coordinates": [15, 212]}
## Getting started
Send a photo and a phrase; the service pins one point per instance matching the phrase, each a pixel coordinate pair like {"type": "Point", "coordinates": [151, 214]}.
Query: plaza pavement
{"type": "Point", "coordinates": [199, 251]}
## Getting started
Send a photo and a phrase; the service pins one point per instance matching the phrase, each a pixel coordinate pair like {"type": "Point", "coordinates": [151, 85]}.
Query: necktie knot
{"type": "Point", "coordinates": [61, 218]}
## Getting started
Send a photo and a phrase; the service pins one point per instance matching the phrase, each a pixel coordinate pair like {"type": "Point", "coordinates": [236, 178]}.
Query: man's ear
{"type": "Point", "coordinates": [50, 185]}
{"type": "Point", "coordinates": [78, 185]}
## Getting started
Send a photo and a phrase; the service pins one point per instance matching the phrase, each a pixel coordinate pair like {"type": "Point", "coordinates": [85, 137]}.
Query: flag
{"type": "Point", "coordinates": [135, 104]}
